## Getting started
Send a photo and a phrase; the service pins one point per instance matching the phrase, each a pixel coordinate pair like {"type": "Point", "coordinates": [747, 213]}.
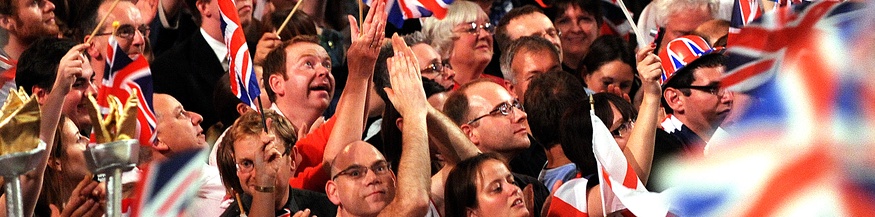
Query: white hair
{"type": "Point", "coordinates": [440, 31]}
{"type": "Point", "coordinates": [664, 8]}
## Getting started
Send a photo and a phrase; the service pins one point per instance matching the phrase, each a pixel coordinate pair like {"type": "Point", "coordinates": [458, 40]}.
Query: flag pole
{"type": "Point", "coordinates": [261, 110]}
{"type": "Point", "coordinates": [288, 17]}
{"type": "Point", "coordinates": [361, 17]}
{"type": "Point", "coordinates": [102, 20]}
{"type": "Point", "coordinates": [638, 35]}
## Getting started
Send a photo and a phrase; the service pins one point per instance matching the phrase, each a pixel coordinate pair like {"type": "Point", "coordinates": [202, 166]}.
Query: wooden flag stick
{"type": "Point", "coordinates": [361, 16]}
{"type": "Point", "coordinates": [102, 20]}
{"type": "Point", "coordinates": [289, 17]}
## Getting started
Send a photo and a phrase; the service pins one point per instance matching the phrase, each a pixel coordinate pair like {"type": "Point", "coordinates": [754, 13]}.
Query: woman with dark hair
{"type": "Point", "coordinates": [579, 22]}
{"type": "Point", "coordinates": [576, 136]}
{"type": "Point", "coordinates": [610, 64]}
{"type": "Point", "coordinates": [483, 186]}
{"type": "Point", "coordinates": [617, 114]}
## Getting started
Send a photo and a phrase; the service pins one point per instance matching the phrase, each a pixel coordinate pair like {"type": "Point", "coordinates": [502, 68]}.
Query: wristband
{"type": "Point", "coordinates": [265, 189]}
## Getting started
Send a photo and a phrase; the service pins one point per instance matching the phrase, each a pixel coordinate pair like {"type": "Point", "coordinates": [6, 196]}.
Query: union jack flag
{"type": "Point", "coordinates": [743, 12]}
{"type": "Point", "coordinates": [400, 10]}
{"type": "Point", "coordinates": [168, 187]}
{"type": "Point", "coordinates": [7, 77]}
{"type": "Point", "coordinates": [790, 152]}
{"type": "Point", "coordinates": [124, 76]}
{"type": "Point", "coordinates": [244, 83]}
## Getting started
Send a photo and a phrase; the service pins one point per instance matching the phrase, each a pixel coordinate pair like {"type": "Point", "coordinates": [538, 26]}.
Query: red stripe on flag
{"type": "Point", "coordinates": [631, 179]}
{"type": "Point", "coordinates": [435, 8]}
{"type": "Point", "coordinates": [749, 71]}
{"type": "Point", "coordinates": [792, 179]}
{"type": "Point", "coordinates": [184, 186]}
{"type": "Point", "coordinates": [403, 6]}
{"type": "Point", "coordinates": [560, 208]}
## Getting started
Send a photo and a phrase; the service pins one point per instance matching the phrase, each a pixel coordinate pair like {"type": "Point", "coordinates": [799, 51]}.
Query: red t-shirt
{"type": "Point", "coordinates": [309, 174]}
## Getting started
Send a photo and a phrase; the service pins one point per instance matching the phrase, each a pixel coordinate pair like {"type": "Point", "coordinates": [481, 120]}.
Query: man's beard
{"type": "Point", "coordinates": [30, 33]}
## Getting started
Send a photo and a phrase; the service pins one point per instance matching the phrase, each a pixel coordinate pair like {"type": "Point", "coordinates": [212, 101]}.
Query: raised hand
{"type": "Point", "coordinates": [70, 68]}
{"type": "Point", "coordinates": [85, 200]}
{"type": "Point", "coordinates": [406, 93]}
{"type": "Point", "coordinates": [649, 65]}
{"type": "Point", "coordinates": [267, 159]}
{"type": "Point", "coordinates": [267, 43]}
{"type": "Point", "coordinates": [366, 42]}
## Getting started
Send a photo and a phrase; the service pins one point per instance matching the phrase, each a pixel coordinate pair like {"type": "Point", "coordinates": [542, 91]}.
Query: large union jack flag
{"type": "Point", "coordinates": [400, 10]}
{"type": "Point", "coordinates": [168, 187]}
{"type": "Point", "coordinates": [792, 153]}
{"type": "Point", "coordinates": [244, 83]}
{"type": "Point", "coordinates": [124, 76]}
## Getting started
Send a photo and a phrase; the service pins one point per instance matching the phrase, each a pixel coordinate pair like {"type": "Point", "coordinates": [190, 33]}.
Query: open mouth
{"type": "Point", "coordinates": [518, 202]}
{"type": "Point", "coordinates": [321, 87]}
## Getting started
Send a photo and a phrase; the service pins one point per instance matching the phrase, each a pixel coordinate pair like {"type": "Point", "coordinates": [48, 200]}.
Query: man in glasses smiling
{"type": "Point", "coordinates": [131, 33]}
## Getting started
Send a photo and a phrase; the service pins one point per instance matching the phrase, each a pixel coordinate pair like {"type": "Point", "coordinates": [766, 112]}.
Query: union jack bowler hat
{"type": "Point", "coordinates": [681, 52]}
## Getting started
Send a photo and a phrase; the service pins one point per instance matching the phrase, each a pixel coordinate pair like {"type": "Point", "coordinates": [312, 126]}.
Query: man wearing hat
{"type": "Point", "coordinates": [693, 99]}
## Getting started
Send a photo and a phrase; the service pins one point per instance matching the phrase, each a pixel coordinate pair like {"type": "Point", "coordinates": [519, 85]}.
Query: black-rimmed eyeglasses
{"type": "Point", "coordinates": [504, 109]}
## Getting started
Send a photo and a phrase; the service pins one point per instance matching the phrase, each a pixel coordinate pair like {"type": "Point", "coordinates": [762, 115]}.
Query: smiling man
{"type": "Point", "coordinates": [24, 21]}
{"type": "Point", "coordinates": [131, 33]}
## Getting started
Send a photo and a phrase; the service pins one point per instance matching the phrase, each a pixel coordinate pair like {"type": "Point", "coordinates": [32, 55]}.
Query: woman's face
{"type": "Point", "coordinates": [73, 144]}
{"type": "Point", "coordinates": [620, 128]}
{"type": "Point", "coordinates": [496, 193]}
{"type": "Point", "coordinates": [615, 72]}
{"type": "Point", "coordinates": [473, 44]}
{"type": "Point", "coordinates": [579, 29]}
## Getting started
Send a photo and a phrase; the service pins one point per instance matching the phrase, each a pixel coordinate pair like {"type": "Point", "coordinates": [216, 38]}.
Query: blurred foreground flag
{"type": "Point", "coordinates": [168, 187]}
{"type": "Point", "coordinates": [804, 146]}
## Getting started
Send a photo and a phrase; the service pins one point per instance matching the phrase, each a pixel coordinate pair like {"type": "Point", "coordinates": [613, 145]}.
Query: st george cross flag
{"type": "Point", "coordinates": [400, 10]}
{"type": "Point", "coordinates": [124, 76]}
{"type": "Point", "coordinates": [168, 187]}
{"type": "Point", "coordinates": [244, 83]}
{"type": "Point", "coordinates": [569, 199]}
{"type": "Point", "coordinates": [621, 187]}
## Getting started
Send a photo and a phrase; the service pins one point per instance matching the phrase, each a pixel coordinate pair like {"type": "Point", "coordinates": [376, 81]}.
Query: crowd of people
{"type": "Point", "coordinates": [484, 112]}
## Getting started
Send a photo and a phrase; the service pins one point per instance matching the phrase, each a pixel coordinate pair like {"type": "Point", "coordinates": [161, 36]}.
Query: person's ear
{"type": "Point", "coordinates": [471, 212]}
{"type": "Point", "coordinates": [293, 165]}
{"type": "Point", "coordinates": [204, 8]}
{"type": "Point", "coordinates": [160, 146]}
{"type": "Point", "coordinates": [42, 94]}
{"type": "Point", "coordinates": [242, 108]}
{"type": "Point", "coordinates": [331, 192]}
{"type": "Point", "coordinates": [471, 133]}
{"type": "Point", "coordinates": [276, 84]}
{"type": "Point", "coordinates": [7, 22]}
{"type": "Point", "coordinates": [673, 99]}
{"type": "Point", "coordinates": [55, 163]}
{"type": "Point", "coordinates": [93, 50]}
{"type": "Point", "coordinates": [400, 124]}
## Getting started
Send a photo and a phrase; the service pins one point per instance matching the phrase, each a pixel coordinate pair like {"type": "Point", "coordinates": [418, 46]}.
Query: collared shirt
{"type": "Point", "coordinates": [219, 48]}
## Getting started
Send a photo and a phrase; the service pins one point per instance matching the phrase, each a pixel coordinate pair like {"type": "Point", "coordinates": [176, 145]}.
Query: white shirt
{"type": "Point", "coordinates": [218, 47]}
